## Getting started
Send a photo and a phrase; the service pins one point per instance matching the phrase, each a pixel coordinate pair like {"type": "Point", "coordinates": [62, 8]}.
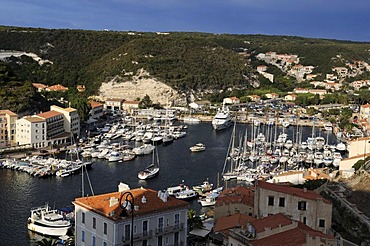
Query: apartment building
{"type": "Point", "coordinates": [31, 131]}
{"type": "Point", "coordinates": [7, 128]}
{"type": "Point", "coordinates": [71, 119]}
{"type": "Point", "coordinates": [54, 123]}
{"type": "Point", "coordinates": [108, 219]}
{"type": "Point", "coordinates": [300, 204]}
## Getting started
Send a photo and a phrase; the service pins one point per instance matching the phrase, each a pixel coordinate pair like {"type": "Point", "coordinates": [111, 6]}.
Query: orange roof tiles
{"type": "Point", "coordinates": [272, 221]}
{"type": "Point", "coordinates": [223, 224]}
{"type": "Point", "coordinates": [57, 87]}
{"type": "Point", "coordinates": [293, 237]}
{"type": "Point", "coordinates": [101, 203]}
{"type": "Point", "coordinates": [39, 85]}
{"type": "Point", "coordinates": [307, 194]}
{"type": "Point", "coordinates": [34, 119]}
{"type": "Point", "coordinates": [49, 114]}
{"type": "Point", "coordinates": [116, 100]}
{"type": "Point", "coordinates": [238, 194]}
{"type": "Point", "coordinates": [95, 104]}
{"type": "Point", "coordinates": [8, 112]}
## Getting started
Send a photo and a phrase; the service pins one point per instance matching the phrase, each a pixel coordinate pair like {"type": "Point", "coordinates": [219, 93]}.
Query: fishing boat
{"type": "Point", "coordinates": [47, 221]}
{"type": "Point", "coordinates": [222, 119]}
{"type": "Point", "coordinates": [151, 170]}
{"type": "Point", "coordinates": [209, 200]}
{"type": "Point", "coordinates": [186, 194]}
{"type": "Point", "coordinates": [204, 187]}
{"type": "Point", "coordinates": [197, 147]}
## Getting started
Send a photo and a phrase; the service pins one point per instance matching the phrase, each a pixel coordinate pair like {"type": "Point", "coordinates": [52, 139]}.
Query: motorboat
{"type": "Point", "coordinates": [209, 200]}
{"type": "Point", "coordinates": [191, 120]}
{"type": "Point", "coordinates": [115, 156]}
{"type": "Point", "coordinates": [204, 187]}
{"type": "Point", "coordinates": [222, 119]}
{"type": "Point", "coordinates": [47, 221]}
{"type": "Point", "coordinates": [186, 194]}
{"type": "Point", "coordinates": [197, 147]}
{"type": "Point", "coordinates": [173, 190]}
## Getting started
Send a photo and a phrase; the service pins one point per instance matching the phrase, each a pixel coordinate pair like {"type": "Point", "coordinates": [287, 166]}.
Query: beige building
{"type": "Point", "coordinates": [235, 200]}
{"type": "Point", "coordinates": [114, 103]}
{"type": "Point", "coordinates": [8, 121]}
{"type": "Point", "coordinates": [97, 110]}
{"type": "Point", "coordinates": [71, 119]}
{"type": "Point", "coordinates": [157, 219]}
{"type": "Point", "coordinates": [300, 204]}
{"type": "Point", "coordinates": [278, 229]}
{"type": "Point", "coordinates": [31, 131]}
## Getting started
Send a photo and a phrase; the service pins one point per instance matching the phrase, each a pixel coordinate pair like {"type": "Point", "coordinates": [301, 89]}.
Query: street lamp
{"type": "Point", "coordinates": [126, 202]}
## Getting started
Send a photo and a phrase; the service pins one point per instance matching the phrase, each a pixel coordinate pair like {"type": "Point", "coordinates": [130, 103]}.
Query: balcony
{"type": "Point", "coordinates": [143, 236]}
{"type": "Point", "coordinates": [169, 229]}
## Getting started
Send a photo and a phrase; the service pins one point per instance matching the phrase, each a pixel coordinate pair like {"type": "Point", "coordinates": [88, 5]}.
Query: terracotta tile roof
{"type": "Point", "coordinates": [101, 203]}
{"type": "Point", "coordinates": [293, 237]}
{"type": "Point", "coordinates": [34, 119]}
{"type": "Point", "coordinates": [307, 194]}
{"type": "Point", "coordinates": [223, 224]}
{"type": "Point", "coordinates": [39, 85]}
{"type": "Point", "coordinates": [272, 221]}
{"type": "Point", "coordinates": [95, 104]}
{"type": "Point", "coordinates": [238, 194]}
{"type": "Point", "coordinates": [49, 114]}
{"type": "Point", "coordinates": [57, 87]}
{"type": "Point", "coordinates": [8, 112]}
{"type": "Point", "coordinates": [365, 106]}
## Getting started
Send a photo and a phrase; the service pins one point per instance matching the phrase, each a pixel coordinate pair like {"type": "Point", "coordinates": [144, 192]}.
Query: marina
{"type": "Point", "coordinates": [178, 165]}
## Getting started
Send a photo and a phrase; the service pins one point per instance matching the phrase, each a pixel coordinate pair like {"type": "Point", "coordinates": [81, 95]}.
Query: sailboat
{"type": "Point", "coordinates": [151, 170]}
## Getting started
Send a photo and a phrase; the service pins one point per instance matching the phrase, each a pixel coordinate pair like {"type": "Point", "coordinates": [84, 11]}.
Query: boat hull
{"type": "Point", "coordinates": [49, 231]}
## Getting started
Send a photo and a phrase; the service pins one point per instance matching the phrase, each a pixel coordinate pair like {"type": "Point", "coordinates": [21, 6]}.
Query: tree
{"type": "Point", "coordinates": [83, 107]}
{"type": "Point", "coordinates": [146, 102]}
{"type": "Point", "coordinates": [194, 220]}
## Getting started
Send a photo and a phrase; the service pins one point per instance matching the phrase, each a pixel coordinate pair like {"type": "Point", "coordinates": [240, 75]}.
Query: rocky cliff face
{"type": "Point", "coordinates": [140, 85]}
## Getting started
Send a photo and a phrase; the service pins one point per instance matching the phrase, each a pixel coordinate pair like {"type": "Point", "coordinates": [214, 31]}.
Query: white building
{"type": "Point", "coordinates": [157, 219]}
{"type": "Point", "coordinates": [31, 130]}
{"type": "Point", "coordinates": [71, 119]}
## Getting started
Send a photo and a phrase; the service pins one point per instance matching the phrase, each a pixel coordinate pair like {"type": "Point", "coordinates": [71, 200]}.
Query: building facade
{"type": "Point", "coordinates": [31, 131]}
{"type": "Point", "coordinates": [114, 103]}
{"type": "Point", "coordinates": [97, 110]}
{"type": "Point", "coordinates": [154, 217]}
{"type": "Point", "coordinates": [71, 119]}
{"type": "Point", "coordinates": [8, 121]}
{"type": "Point", "coordinates": [300, 204]}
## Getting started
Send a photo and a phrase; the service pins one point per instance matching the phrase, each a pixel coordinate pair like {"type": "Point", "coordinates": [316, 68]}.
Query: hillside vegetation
{"type": "Point", "coordinates": [198, 62]}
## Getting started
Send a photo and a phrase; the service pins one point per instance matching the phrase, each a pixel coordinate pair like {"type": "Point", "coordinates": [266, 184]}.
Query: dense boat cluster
{"type": "Point", "coordinates": [269, 152]}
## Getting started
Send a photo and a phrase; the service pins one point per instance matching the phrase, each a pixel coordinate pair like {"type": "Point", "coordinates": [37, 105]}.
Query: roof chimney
{"type": "Point", "coordinates": [143, 199]}
{"type": "Point", "coordinates": [113, 201]}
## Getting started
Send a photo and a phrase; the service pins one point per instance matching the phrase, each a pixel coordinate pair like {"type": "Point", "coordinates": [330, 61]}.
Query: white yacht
{"type": "Point", "coordinates": [186, 194]}
{"type": "Point", "coordinates": [222, 119]}
{"type": "Point", "coordinates": [209, 200]}
{"type": "Point", "coordinates": [198, 147]}
{"type": "Point", "coordinates": [47, 221]}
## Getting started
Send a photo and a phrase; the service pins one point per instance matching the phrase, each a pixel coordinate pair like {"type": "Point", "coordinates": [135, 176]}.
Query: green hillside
{"type": "Point", "coordinates": [200, 62]}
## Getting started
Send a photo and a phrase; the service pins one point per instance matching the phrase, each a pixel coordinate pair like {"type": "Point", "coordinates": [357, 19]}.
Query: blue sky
{"type": "Point", "coordinates": [336, 19]}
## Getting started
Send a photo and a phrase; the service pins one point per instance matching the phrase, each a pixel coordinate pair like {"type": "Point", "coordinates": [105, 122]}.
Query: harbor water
{"type": "Point", "coordinates": [20, 191]}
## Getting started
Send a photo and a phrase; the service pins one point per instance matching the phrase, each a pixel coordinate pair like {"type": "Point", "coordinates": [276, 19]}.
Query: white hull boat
{"type": "Point", "coordinates": [222, 119]}
{"type": "Point", "coordinates": [48, 222]}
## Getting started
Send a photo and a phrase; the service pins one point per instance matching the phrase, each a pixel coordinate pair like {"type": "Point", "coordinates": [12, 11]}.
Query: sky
{"type": "Point", "coordinates": [333, 19]}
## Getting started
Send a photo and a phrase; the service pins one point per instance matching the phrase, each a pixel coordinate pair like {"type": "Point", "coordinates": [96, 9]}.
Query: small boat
{"type": "Point", "coordinates": [198, 147]}
{"type": "Point", "coordinates": [172, 191]}
{"type": "Point", "coordinates": [192, 120]}
{"type": "Point", "coordinates": [151, 170]}
{"type": "Point", "coordinates": [186, 194]}
{"type": "Point", "coordinates": [47, 221]}
{"type": "Point", "coordinates": [204, 187]}
{"type": "Point", "coordinates": [209, 200]}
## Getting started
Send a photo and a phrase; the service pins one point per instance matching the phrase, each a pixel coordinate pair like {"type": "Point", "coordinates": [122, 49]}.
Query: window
{"type": "Point", "coordinates": [83, 236]}
{"type": "Point", "coordinates": [145, 227]}
{"type": "Point", "coordinates": [160, 241]}
{"type": "Point", "coordinates": [127, 232]}
{"type": "Point", "coordinates": [94, 223]}
{"type": "Point", "coordinates": [304, 220]}
{"type": "Point", "coordinates": [93, 241]}
{"type": "Point", "coordinates": [271, 201]}
{"type": "Point", "coordinates": [302, 205]}
{"type": "Point", "coordinates": [177, 220]}
{"type": "Point", "coordinates": [105, 244]}
{"type": "Point", "coordinates": [105, 228]}
{"type": "Point", "coordinates": [321, 223]}
{"type": "Point", "coordinates": [83, 218]}
{"type": "Point", "coordinates": [176, 238]}
{"type": "Point", "coordinates": [282, 202]}
{"type": "Point", "coordinates": [145, 243]}
{"type": "Point", "coordinates": [160, 224]}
